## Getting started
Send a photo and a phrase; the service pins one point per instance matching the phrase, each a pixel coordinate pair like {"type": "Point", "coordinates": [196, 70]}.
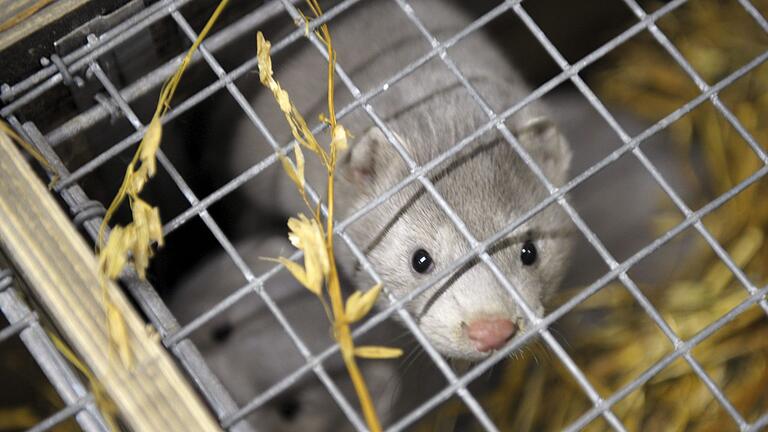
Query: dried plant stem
{"type": "Point", "coordinates": [341, 330]}
{"type": "Point", "coordinates": [133, 242]}
{"type": "Point", "coordinates": [319, 272]}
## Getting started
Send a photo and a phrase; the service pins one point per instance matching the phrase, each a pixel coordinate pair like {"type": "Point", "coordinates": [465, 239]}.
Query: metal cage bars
{"type": "Point", "coordinates": [630, 285]}
{"type": "Point", "coordinates": [590, 235]}
{"type": "Point", "coordinates": [277, 47]}
{"type": "Point", "coordinates": [569, 72]}
{"type": "Point", "coordinates": [89, 214]}
{"type": "Point", "coordinates": [705, 378]}
{"type": "Point", "coordinates": [24, 323]}
{"type": "Point", "coordinates": [51, 75]}
{"type": "Point", "coordinates": [717, 392]}
{"type": "Point", "coordinates": [484, 256]}
{"type": "Point", "coordinates": [240, 98]}
{"type": "Point", "coordinates": [449, 374]}
{"type": "Point", "coordinates": [224, 241]}
{"type": "Point", "coordinates": [576, 219]}
{"type": "Point", "coordinates": [157, 76]}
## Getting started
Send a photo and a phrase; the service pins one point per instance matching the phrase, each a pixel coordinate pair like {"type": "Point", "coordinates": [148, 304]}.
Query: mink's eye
{"type": "Point", "coordinates": [528, 253]}
{"type": "Point", "coordinates": [421, 261]}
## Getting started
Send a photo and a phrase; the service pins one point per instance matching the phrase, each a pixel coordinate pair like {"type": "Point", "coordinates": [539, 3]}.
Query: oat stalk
{"type": "Point", "coordinates": [306, 234]}
{"type": "Point", "coordinates": [133, 243]}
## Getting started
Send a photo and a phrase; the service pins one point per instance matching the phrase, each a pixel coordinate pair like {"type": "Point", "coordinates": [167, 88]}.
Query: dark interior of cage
{"type": "Point", "coordinates": [617, 203]}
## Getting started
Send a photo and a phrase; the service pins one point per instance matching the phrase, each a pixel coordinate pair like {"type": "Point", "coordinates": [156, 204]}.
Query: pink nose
{"type": "Point", "coordinates": [490, 334]}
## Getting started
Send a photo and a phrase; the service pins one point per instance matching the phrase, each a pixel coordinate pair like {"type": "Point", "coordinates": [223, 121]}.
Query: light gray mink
{"type": "Point", "coordinates": [467, 314]}
{"type": "Point", "coordinates": [250, 351]}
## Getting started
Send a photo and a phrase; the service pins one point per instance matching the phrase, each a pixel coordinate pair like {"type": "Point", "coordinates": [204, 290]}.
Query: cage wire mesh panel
{"type": "Point", "coordinates": [86, 108]}
{"type": "Point", "coordinates": [24, 324]}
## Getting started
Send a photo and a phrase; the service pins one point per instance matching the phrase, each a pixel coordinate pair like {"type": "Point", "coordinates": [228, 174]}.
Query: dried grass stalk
{"type": "Point", "coordinates": [133, 243]}
{"type": "Point", "coordinates": [319, 270]}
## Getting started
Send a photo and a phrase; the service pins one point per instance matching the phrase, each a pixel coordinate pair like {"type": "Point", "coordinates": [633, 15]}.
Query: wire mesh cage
{"type": "Point", "coordinates": [625, 345]}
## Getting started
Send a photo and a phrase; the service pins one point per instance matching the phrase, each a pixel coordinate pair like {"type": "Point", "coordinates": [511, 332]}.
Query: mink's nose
{"type": "Point", "coordinates": [490, 334]}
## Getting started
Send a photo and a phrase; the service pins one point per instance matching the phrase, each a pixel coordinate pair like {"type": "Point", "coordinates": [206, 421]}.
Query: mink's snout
{"type": "Point", "coordinates": [490, 334]}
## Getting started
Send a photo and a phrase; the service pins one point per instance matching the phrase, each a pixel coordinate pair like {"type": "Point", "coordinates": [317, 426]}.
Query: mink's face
{"type": "Point", "coordinates": [470, 312]}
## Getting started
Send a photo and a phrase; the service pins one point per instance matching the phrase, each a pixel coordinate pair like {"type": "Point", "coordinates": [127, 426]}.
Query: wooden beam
{"type": "Point", "coordinates": [60, 269]}
{"type": "Point", "coordinates": [30, 24]}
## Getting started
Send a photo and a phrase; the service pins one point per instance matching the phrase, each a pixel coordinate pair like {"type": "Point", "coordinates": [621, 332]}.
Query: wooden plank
{"type": "Point", "coordinates": [31, 24]}
{"type": "Point", "coordinates": [60, 268]}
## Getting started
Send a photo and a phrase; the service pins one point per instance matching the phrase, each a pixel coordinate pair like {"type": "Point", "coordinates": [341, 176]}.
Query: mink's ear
{"type": "Point", "coordinates": [361, 163]}
{"type": "Point", "coordinates": [547, 146]}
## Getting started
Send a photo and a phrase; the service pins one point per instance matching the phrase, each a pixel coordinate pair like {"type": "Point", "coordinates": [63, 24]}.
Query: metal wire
{"type": "Point", "coordinates": [62, 415]}
{"type": "Point", "coordinates": [219, 234]}
{"type": "Point", "coordinates": [143, 292]}
{"type": "Point", "coordinates": [24, 323]}
{"type": "Point", "coordinates": [175, 337]}
{"type": "Point", "coordinates": [443, 366]}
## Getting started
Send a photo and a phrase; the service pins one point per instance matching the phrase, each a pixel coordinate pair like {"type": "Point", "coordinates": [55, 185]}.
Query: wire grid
{"type": "Point", "coordinates": [24, 323]}
{"type": "Point", "coordinates": [175, 337]}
